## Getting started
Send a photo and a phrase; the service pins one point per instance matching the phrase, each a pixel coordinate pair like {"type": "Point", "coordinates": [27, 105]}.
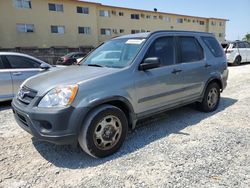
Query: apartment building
{"type": "Point", "coordinates": [72, 23]}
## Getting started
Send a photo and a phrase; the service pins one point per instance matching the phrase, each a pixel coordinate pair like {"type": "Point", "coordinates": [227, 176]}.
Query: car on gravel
{"type": "Point", "coordinates": [237, 52]}
{"type": "Point", "coordinates": [95, 103]}
{"type": "Point", "coordinates": [70, 59]}
{"type": "Point", "coordinates": [14, 69]}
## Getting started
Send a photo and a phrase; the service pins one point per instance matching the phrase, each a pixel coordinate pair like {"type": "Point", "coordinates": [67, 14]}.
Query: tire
{"type": "Point", "coordinates": [103, 131]}
{"type": "Point", "coordinates": [211, 98]}
{"type": "Point", "coordinates": [237, 61]}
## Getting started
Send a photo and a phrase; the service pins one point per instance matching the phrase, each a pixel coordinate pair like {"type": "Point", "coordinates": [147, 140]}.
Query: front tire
{"type": "Point", "coordinates": [211, 98]}
{"type": "Point", "coordinates": [104, 131]}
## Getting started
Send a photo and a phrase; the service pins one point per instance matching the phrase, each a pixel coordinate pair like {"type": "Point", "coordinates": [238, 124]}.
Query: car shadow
{"type": "Point", "coordinates": [148, 131]}
{"type": "Point", "coordinates": [5, 105]}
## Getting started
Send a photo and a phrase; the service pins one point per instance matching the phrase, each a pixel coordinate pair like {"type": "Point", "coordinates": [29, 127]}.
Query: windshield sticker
{"type": "Point", "coordinates": [135, 41]}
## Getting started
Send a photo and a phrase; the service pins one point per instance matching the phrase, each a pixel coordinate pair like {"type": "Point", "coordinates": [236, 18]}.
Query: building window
{"type": "Point", "coordinates": [221, 24]}
{"type": "Point", "coordinates": [155, 17]}
{"type": "Point", "coordinates": [179, 20]}
{"type": "Point", "coordinates": [167, 19]}
{"type": "Point", "coordinates": [82, 10]}
{"type": "Point", "coordinates": [25, 28]}
{"type": "Point", "coordinates": [56, 7]}
{"type": "Point", "coordinates": [57, 29]}
{"type": "Point", "coordinates": [202, 23]}
{"type": "Point", "coordinates": [134, 31]}
{"type": "Point", "coordinates": [22, 4]}
{"type": "Point", "coordinates": [113, 12]}
{"type": "Point", "coordinates": [105, 31]}
{"type": "Point", "coordinates": [220, 34]}
{"type": "Point", "coordinates": [121, 14]}
{"type": "Point", "coordinates": [84, 30]}
{"type": "Point", "coordinates": [122, 30]}
{"type": "Point", "coordinates": [143, 31]}
{"type": "Point", "coordinates": [189, 20]}
{"type": "Point", "coordinates": [135, 16]}
{"type": "Point", "coordinates": [148, 17]}
{"type": "Point", "coordinates": [213, 23]}
{"type": "Point", "coordinates": [161, 17]}
{"type": "Point", "coordinates": [104, 13]}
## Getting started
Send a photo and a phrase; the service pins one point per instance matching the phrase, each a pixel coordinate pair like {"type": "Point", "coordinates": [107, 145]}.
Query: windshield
{"type": "Point", "coordinates": [117, 53]}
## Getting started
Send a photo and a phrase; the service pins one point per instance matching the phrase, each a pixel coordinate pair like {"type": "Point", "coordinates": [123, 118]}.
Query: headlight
{"type": "Point", "coordinates": [59, 97]}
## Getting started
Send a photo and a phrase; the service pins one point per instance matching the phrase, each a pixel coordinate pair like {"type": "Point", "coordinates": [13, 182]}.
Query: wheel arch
{"type": "Point", "coordinates": [211, 80]}
{"type": "Point", "coordinates": [119, 102]}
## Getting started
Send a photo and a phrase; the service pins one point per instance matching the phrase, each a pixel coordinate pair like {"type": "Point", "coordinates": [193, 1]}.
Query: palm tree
{"type": "Point", "coordinates": [247, 37]}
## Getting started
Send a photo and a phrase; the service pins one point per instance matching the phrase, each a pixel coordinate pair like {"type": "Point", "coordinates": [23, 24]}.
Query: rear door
{"type": "Point", "coordinates": [195, 71]}
{"type": "Point", "coordinates": [6, 90]}
{"type": "Point", "coordinates": [247, 51]}
{"type": "Point", "coordinates": [243, 51]}
{"type": "Point", "coordinates": [21, 68]}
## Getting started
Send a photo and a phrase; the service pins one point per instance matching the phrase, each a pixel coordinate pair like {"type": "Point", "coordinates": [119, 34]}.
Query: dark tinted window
{"type": "Point", "coordinates": [163, 48]}
{"type": "Point", "coordinates": [19, 62]}
{"type": "Point", "coordinates": [190, 50]}
{"type": "Point", "coordinates": [52, 7]}
{"type": "Point", "coordinates": [213, 46]}
{"type": "Point", "coordinates": [1, 64]}
{"type": "Point", "coordinates": [247, 45]}
{"type": "Point", "coordinates": [241, 45]}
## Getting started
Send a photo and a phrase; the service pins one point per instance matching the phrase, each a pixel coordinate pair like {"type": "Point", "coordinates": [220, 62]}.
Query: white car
{"type": "Point", "coordinates": [237, 52]}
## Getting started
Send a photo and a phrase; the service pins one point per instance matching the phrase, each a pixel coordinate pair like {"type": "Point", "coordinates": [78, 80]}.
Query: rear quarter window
{"type": "Point", "coordinates": [213, 46]}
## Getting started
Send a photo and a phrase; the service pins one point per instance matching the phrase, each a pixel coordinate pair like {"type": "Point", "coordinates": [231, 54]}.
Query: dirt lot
{"type": "Point", "coordinates": [181, 148]}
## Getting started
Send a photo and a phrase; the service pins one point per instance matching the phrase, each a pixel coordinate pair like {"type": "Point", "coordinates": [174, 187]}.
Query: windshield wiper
{"type": "Point", "coordinates": [94, 65]}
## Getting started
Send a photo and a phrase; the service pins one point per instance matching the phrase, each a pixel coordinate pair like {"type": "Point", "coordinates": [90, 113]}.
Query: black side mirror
{"type": "Point", "coordinates": [150, 63]}
{"type": "Point", "coordinates": [44, 66]}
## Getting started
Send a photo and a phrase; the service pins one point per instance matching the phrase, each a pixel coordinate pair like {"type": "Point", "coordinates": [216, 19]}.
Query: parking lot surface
{"type": "Point", "coordinates": [180, 148]}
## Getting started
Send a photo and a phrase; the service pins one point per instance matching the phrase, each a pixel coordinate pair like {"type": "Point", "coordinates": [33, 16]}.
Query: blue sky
{"type": "Point", "coordinates": [238, 12]}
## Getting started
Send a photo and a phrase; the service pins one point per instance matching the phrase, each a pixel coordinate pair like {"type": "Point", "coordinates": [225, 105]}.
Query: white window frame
{"type": "Point", "coordinates": [108, 31]}
{"type": "Point", "coordinates": [104, 13]}
{"type": "Point", "coordinates": [167, 19]}
{"type": "Point", "coordinates": [86, 30]}
{"type": "Point", "coordinates": [57, 7]}
{"type": "Point", "coordinates": [24, 28]}
{"type": "Point", "coordinates": [60, 29]}
{"type": "Point", "coordinates": [22, 4]}
{"type": "Point", "coordinates": [83, 12]}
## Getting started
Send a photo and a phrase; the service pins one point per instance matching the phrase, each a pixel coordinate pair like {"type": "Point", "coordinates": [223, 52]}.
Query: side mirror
{"type": "Point", "coordinates": [44, 66]}
{"type": "Point", "coordinates": [150, 63]}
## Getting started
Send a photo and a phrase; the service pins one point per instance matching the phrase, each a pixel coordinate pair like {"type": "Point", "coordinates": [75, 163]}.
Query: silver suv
{"type": "Point", "coordinates": [125, 79]}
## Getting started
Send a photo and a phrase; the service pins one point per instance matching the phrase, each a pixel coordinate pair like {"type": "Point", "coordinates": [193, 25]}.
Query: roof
{"type": "Point", "coordinates": [149, 11]}
{"type": "Point", "coordinates": [146, 35]}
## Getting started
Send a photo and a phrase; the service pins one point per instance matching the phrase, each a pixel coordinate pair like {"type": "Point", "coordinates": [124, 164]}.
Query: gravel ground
{"type": "Point", "coordinates": [180, 148]}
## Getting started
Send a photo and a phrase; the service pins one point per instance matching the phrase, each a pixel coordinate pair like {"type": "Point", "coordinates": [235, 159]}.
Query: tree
{"type": "Point", "coordinates": [247, 37]}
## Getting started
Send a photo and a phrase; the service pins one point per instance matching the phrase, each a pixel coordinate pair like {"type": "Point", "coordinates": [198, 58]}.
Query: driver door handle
{"type": "Point", "coordinates": [176, 71]}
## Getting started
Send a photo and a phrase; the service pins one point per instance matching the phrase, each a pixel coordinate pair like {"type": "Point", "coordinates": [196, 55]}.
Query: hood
{"type": "Point", "coordinates": [44, 82]}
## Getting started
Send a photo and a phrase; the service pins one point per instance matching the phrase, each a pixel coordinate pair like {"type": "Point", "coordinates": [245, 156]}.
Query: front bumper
{"type": "Point", "coordinates": [59, 126]}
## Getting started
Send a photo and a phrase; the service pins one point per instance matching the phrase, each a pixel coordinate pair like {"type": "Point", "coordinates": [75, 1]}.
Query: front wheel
{"type": "Point", "coordinates": [104, 131]}
{"type": "Point", "coordinates": [211, 98]}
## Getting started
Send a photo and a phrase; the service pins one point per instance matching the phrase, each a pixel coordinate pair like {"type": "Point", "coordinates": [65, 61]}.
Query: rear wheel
{"type": "Point", "coordinates": [237, 61]}
{"type": "Point", "coordinates": [211, 98]}
{"type": "Point", "coordinates": [104, 131]}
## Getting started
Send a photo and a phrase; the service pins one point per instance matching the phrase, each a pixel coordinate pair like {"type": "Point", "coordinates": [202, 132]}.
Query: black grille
{"type": "Point", "coordinates": [26, 95]}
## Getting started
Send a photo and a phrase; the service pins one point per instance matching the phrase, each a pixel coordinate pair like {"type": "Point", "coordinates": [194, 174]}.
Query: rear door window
{"type": "Point", "coordinates": [247, 45]}
{"type": "Point", "coordinates": [1, 63]}
{"type": "Point", "coordinates": [190, 50]}
{"type": "Point", "coordinates": [241, 45]}
{"type": "Point", "coordinates": [19, 62]}
{"type": "Point", "coordinates": [213, 46]}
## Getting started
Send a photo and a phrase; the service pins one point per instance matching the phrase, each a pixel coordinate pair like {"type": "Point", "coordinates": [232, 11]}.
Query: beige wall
{"type": "Point", "coordinates": [42, 18]}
